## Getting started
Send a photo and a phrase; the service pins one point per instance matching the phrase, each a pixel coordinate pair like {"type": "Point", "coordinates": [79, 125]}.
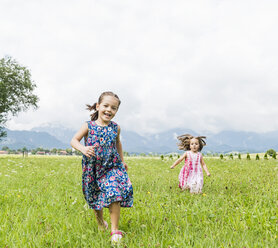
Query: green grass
{"type": "Point", "coordinates": [42, 205]}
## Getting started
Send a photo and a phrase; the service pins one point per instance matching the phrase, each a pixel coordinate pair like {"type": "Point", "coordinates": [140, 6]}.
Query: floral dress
{"type": "Point", "coordinates": [191, 174]}
{"type": "Point", "coordinates": [104, 178]}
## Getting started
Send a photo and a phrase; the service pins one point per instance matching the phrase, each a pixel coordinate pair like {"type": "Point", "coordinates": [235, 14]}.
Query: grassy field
{"type": "Point", "coordinates": [41, 205]}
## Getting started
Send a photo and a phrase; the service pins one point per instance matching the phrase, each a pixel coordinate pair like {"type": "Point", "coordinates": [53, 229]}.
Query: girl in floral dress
{"type": "Point", "coordinates": [105, 182]}
{"type": "Point", "coordinates": [191, 174]}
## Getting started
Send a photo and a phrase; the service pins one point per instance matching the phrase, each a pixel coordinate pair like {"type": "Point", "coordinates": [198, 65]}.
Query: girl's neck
{"type": "Point", "coordinates": [194, 152]}
{"type": "Point", "coordinates": [102, 123]}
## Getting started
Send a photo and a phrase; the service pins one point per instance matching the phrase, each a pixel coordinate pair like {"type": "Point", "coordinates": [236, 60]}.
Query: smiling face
{"type": "Point", "coordinates": [194, 145]}
{"type": "Point", "coordinates": [107, 109]}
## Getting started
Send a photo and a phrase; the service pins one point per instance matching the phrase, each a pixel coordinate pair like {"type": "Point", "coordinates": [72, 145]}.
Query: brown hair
{"type": "Point", "coordinates": [184, 141]}
{"type": "Point", "coordinates": [94, 115]}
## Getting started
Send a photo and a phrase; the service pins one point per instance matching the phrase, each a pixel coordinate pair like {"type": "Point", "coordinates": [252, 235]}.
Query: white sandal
{"type": "Point", "coordinates": [116, 237]}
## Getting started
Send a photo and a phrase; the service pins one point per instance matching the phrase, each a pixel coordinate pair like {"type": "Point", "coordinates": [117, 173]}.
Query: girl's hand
{"type": "Point", "coordinates": [125, 165]}
{"type": "Point", "coordinates": [208, 174]}
{"type": "Point", "coordinates": [89, 151]}
{"type": "Point", "coordinates": [172, 167]}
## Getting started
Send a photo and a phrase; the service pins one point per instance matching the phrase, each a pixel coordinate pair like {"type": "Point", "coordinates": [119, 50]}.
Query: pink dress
{"type": "Point", "coordinates": [191, 174]}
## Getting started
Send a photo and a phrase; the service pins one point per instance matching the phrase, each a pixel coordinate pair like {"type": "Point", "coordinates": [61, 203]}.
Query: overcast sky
{"type": "Point", "coordinates": [203, 65]}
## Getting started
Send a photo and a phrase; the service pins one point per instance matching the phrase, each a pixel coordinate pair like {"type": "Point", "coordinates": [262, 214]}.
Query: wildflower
{"type": "Point", "coordinates": [18, 196]}
{"type": "Point", "coordinates": [149, 192]}
{"type": "Point", "coordinates": [204, 194]}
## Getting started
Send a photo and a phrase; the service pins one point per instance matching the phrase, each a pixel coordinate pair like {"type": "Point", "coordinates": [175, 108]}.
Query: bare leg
{"type": "Point", "coordinates": [115, 209]}
{"type": "Point", "coordinates": [100, 220]}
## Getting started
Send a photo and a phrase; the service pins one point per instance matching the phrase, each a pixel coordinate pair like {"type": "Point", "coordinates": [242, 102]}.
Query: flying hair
{"type": "Point", "coordinates": [184, 141]}
{"type": "Point", "coordinates": [93, 107]}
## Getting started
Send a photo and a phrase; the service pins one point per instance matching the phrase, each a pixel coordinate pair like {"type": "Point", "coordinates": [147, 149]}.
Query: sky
{"type": "Point", "coordinates": [203, 65]}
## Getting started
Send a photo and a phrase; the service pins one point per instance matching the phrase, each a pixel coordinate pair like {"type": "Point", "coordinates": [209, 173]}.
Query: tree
{"type": "Point", "coordinates": [274, 155]}
{"type": "Point", "coordinates": [248, 156]}
{"type": "Point", "coordinates": [54, 151]}
{"type": "Point", "coordinates": [24, 151]}
{"type": "Point", "coordinates": [239, 156]}
{"type": "Point", "coordinates": [221, 156]}
{"type": "Point", "coordinates": [5, 148]}
{"type": "Point", "coordinates": [16, 90]}
{"type": "Point", "coordinates": [69, 151]}
{"type": "Point", "coordinates": [270, 152]}
{"type": "Point", "coordinates": [265, 156]}
{"type": "Point", "coordinates": [257, 157]}
{"type": "Point", "coordinates": [231, 156]}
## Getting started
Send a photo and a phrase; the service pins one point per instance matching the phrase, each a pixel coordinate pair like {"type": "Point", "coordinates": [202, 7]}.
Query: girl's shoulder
{"type": "Point", "coordinates": [113, 123]}
{"type": "Point", "coordinates": [91, 124]}
{"type": "Point", "coordinates": [114, 126]}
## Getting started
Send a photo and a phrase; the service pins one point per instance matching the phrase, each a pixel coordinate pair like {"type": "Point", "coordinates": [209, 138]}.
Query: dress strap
{"type": "Point", "coordinates": [115, 126]}
{"type": "Point", "coordinates": [89, 124]}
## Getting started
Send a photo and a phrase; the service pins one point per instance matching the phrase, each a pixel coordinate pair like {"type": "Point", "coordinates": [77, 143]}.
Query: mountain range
{"type": "Point", "coordinates": [57, 136]}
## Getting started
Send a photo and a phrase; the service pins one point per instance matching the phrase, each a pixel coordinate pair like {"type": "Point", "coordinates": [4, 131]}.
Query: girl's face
{"type": "Point", "coordinates": [194, 145]}
{"type": "Point", "coordinates": [107, 109]}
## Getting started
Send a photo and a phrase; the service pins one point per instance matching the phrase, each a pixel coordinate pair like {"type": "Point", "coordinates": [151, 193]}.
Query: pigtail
{"type": "Point", "coordinates": [184, 141]}
{"type": "Point", "coordinates": [202, 142]}
{"type": "Point", "coordinates": [93, 107]}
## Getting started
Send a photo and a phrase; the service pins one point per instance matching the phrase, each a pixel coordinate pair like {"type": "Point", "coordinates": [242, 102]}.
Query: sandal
{"type": "Point", "coordinates": [116, 237]}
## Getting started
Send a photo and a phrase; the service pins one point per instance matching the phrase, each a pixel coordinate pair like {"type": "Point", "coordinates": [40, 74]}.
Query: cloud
{"type": "Point", "coordinates": [206, 65]}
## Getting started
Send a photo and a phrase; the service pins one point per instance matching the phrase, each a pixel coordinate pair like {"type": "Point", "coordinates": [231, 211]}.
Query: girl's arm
{"type": "Point", "coordinates": [120, 148]}
{"type": "Point", "coordinates": [178, 161]}
{"type": "Point", "coordinates": [204, 166]}
{"type": "Point", "coordinates": [88, 151]}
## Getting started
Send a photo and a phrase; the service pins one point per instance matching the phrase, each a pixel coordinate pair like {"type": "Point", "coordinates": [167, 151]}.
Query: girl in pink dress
{"type": "Point", "coordinates": [191, 174]}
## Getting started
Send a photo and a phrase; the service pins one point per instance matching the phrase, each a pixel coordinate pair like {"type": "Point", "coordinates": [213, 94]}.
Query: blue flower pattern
{"type": "Point", "coordinates": [104, 178]}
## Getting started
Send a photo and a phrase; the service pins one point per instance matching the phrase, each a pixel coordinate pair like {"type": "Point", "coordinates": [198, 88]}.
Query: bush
{"type": "Point", "coordinates": [239, 156]}
{"type": "Point", "coordinates": [257, 157]}
{"type": "Point", "coordinates": [221, 156]}
{"type": "Point", "coordinates": [265, 156]}
{"type": "Point", "coordinates": [270, 152]}
{"type": "Point", "coordinates": [231, 156]}
{"type": "Point", "coordinates": [274, 155]}
{"type": "Point", "coordinates": [248, 156]}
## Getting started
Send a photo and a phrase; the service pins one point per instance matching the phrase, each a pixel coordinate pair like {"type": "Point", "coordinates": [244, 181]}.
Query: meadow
{"type": "Point", "coordinates": [41, 205]}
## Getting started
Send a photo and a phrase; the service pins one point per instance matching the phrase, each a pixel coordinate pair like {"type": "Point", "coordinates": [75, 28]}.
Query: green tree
{"type": "Point", "coordinates": [54, 151]}
{"type": "Point", "coordinates": [257, 157]}
{"type": "Point", "coordinates": [221, 156]}
{"type": "Point", "coordinates": [5, 148]}
{"type": "Point", "coordinates": [265, 156]}
{"type": "Point", "coordinates": [231, 156]}
{"type": "Point", "coordinates": [239, 156]}
{"type": "Point", "coordinates": [162, 157]}
{"type": "Point", "coordinates": [69, 151]}
{"type": "Point", "coordinates": [248, 156]}
{"type": "Point", "coordinates": [24, 151]}
{"type": "Point", "coordinates": [270, 152]}
{"type": "Point", "coordinates": [16, 90]}
{"type": "Point", "coordinates": [274, 155]}
{"type": "Point", "coordinates": [126, 154]}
